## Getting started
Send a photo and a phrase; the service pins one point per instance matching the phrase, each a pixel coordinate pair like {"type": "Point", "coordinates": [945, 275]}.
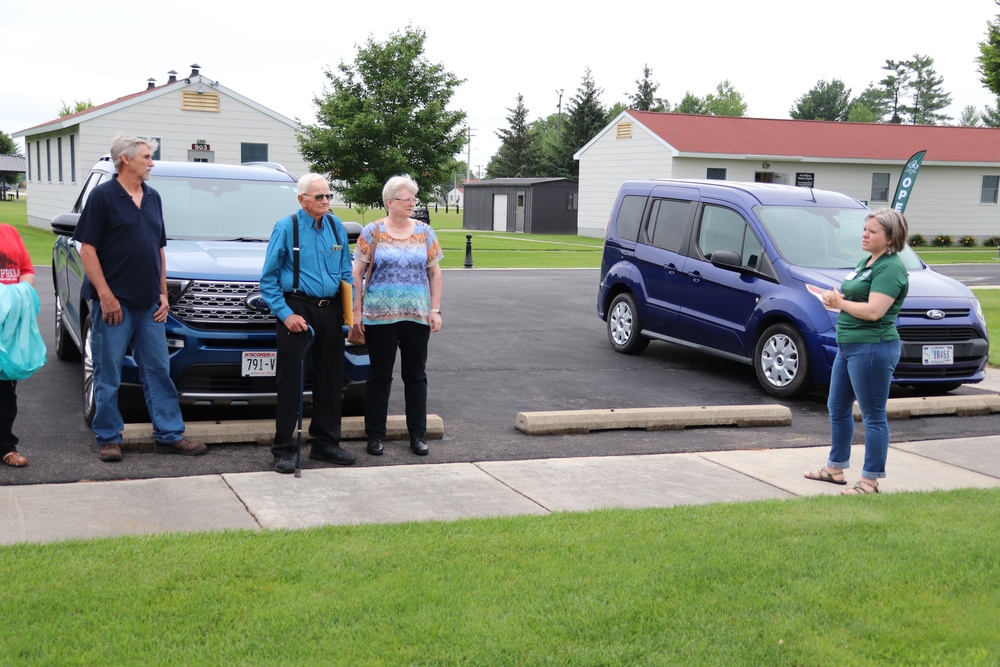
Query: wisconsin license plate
{"type": "Point", "coordinates": [935, 355]}
{"type": "Point", "coordinates": [259, 363]}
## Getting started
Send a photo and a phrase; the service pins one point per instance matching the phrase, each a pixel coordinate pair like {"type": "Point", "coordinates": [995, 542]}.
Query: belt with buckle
{"type": "Point", "coordinates": [322, 302]}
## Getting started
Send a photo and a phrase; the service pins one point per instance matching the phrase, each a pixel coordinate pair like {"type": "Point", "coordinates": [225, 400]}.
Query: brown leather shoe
{"type": "Point", "coordinates": [111, 453]}
{"type": "Point", "coordinates": [15, 460]}
{"type": "Point", "coordinates": [185, 447]}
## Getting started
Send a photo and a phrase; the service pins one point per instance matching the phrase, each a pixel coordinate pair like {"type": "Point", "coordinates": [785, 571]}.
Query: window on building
{"type": "Point", "coordinates": [253, 152]}
{"type": "Point", "coordinates": [991, 184]}
{"type": "Point", "coordinates": [27, 152]}
{"type": "Point", "coordinates": [880, 187]}
{"type": "Point", "coordinates": [72, 158]}
{"type": "Point", "coordinates": [48, 159]}
{"type": "Point", "coordinates": [59, 156]}
{"type": "Point", "coordinates": [572, 202]}
{"type": "Point", "coordinates": [38, 159]}
{"type": "Point", "coordinates": [156, 153]}
{"type": "Point", "coordinates": [715, 174]}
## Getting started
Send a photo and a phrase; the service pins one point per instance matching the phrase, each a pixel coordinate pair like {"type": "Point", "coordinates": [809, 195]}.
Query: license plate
{"type": "Point", "coordinates": [259, 363]}
{"type": "Point", "coordinates": [935, 355]}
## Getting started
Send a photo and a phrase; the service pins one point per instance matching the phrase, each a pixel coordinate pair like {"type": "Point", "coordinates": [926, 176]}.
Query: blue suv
{"type": "Point", "coordinates": [220, 332]}
{"type": "Point", "coordinates": [737, 270]}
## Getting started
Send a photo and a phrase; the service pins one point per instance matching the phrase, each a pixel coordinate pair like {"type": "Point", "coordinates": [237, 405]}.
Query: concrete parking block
{"type": "Point", "coordinates": [138, 437]}
{"type": "Point", "coordinates": [103, 509]}
{"type": "Point", "coordinates": [966, 405]}
{"type": "Point", "coordinates": [659, 480]}
{"type": "Point", "coordinates": [650, 419]}
{"type": "Point", "coordinates": [784, 468]}
{"type": "Point", "coordinates": [980, 455]}
{"type": "Point", "coordinates": [377, 495]}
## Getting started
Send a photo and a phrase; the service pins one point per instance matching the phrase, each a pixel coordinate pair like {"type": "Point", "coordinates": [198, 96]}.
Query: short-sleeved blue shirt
{"type": "Point", "coordinates": [128, 241]}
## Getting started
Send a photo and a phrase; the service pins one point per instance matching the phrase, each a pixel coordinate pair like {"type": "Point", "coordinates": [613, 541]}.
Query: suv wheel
{"type": "Point", "coordinates": [88, 370]}
{"type": "Point", "coordinates": [624, 326]}
{"type": "Point", "coordinates": [781, 362]}
{"type": "Point", "coordinates": [65, 349]}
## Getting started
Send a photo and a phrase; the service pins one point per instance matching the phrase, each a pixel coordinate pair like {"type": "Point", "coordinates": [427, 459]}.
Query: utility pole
{"type": "Point", "coordinates": [559, 108]}
{"type": "Point", "coordinates": [468, 152]}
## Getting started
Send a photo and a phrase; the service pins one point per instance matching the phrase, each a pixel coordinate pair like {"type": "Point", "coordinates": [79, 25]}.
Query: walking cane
{"type": "Point", "coordinates": [302, 391]}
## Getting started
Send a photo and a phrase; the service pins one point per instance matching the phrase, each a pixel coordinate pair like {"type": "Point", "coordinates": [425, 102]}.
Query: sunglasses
{"type": "Point", "coordinates": [322, 197]}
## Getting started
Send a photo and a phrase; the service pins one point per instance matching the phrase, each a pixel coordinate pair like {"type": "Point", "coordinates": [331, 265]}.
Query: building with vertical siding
{"type": "Point", "coordinates": [528, 205]}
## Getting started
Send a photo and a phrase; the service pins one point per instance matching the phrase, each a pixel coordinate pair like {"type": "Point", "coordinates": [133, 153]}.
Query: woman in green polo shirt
{"type": "Point", "coordinates": [868, 349]}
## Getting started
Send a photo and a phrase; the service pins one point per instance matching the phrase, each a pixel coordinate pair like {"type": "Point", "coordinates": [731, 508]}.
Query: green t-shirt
{"type": "Point", "coordinates": [886, 276]}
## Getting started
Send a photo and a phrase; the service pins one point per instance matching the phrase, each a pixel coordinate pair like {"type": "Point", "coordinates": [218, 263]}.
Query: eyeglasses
{"type": "Point", "coordinates": [411, 200]}
{"type": "Point", "coordinates": [322, 197]}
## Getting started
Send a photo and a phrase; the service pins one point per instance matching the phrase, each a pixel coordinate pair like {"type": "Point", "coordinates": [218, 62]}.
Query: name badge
{"type": "Point", "coordinates": [851, 276]}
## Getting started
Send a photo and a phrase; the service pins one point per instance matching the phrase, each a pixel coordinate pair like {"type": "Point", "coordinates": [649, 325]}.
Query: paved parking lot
{"type": "Point", "coordinates": [512, 341]}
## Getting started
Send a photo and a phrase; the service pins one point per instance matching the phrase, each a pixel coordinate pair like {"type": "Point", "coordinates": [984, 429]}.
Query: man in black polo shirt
{"type": "Point", "coordinates": [122, 237]}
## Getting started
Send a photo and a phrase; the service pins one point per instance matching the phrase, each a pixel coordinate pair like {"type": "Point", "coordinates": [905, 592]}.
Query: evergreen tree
{"type": "Point", "coordinates": [991, 115]}
{"type": "Point", "coordinates": [517, 155]}
{"type": "Point", "coordinates": [586, 117]}
{"type": "Point", "coordinates": [645, 98]}
{"type": "Point", "coordinates": [824, 101]}
{"type": "Point", "coordinates": [893, 85]}
{"type": "Point", "coordinates": [928, 99]}
{"type": "Point", "coordinates": [969, 117]}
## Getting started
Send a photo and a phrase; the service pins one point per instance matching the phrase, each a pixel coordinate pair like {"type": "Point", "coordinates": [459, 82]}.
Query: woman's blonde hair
{"type": "Point", "coordinates": [895, 227]}
{"type": "Point", "coordinates": [397, 183]}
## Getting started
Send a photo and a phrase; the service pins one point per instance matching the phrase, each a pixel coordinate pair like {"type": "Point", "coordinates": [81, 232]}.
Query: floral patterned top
{"type": "Point", "coordinates": [398, 289]}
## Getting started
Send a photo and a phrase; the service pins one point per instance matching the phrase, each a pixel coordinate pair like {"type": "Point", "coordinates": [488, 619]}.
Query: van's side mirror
{"type": "Point", "coordinates": [726, 259]}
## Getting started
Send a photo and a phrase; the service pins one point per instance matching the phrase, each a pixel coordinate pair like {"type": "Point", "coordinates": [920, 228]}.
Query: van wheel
{"type": "Point", "coordinates": [65, 349]}
{"type": "Point", "coordinates": [624, 326]}
{"type": "Point", "coordinates": [781, 362]}
{"type": "Point", "coordinates": [87, 353]}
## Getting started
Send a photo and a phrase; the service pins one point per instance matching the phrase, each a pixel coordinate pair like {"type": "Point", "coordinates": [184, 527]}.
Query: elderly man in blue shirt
{"type": "Point", "coordinates": [302, 296]}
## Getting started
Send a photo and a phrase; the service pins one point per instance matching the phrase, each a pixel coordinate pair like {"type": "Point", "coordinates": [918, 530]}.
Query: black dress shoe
{"type": "Point", "coordinates": [284, 464]}
{"type": "Point", "coordinates": [335, 454]}
{"type": "Point", "coordinates": [375, 447]}
{"type": "Point", "coordinates": [419, 446]}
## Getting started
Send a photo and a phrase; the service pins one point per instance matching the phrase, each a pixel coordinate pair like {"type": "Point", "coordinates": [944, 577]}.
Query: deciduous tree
{"type": "Point", "coordinates": [989, 56]}
{"type": "Point", "coordinates": [385, 114]}
{"type": "Point", "coordinates": [725, 101]}
{"type": "Point", "coordinates": [8, 147]}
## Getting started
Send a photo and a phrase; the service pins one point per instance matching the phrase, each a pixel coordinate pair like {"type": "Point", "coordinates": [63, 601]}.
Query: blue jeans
{"type": "Point", "coordinates": [148, 341]}
{"type": "Point", "coordinates": [861, 371]}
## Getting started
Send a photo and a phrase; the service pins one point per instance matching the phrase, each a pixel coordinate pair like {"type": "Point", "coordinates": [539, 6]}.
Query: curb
{"type": "Point", "coordinates": [650, 419]}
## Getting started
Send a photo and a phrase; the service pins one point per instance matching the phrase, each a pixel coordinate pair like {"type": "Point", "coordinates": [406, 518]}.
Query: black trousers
{"type": "Point", "coordinates": [326, 359]}
{"type": "Point", "coordinates": [382, 340]}
{"type": "Point", "coordinates": [8, 412]}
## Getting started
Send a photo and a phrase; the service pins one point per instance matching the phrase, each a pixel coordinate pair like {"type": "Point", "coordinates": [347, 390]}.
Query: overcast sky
{"type": "Point", "coordinates": [276, 54]}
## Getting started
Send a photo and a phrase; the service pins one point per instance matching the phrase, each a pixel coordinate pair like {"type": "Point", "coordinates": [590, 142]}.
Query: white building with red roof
{"type": "Point", "coordinates": [956, 191]}
{"type": "Point", "coordinates": [192, 118]}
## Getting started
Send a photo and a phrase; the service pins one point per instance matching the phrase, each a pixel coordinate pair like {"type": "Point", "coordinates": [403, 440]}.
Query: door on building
{"type": "Point", "coordinates": [499, 213]}
{"type": "Point", "coordinates": [519, 212]}
{"type": "Point", "coordinates": [763, 177]}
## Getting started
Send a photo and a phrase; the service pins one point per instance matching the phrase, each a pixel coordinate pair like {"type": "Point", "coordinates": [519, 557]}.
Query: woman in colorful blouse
{"type": "Point", "coordinates": [868, 349]}
{"type": "Point", "coordinates": [398, 308]}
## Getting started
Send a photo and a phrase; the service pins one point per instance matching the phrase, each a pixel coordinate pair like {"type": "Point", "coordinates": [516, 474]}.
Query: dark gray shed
{"type": "Point", "coordinates": [530, 205]}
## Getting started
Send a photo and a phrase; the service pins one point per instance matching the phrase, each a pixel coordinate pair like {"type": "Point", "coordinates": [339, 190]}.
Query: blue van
{"type": "Point", "coordinates": [737, 270]}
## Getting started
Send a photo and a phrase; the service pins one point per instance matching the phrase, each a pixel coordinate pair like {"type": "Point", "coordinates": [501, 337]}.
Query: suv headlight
{"type": "Point", "coordinates": [979, 310]}
{"type": "Point", "coordinates": [818, 293]}
{"type": "Point", "coordinates": [176, 289]}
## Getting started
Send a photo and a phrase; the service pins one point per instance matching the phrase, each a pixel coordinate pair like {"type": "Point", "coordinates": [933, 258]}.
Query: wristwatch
{"type": "Point", "coordinates": [436, 310]}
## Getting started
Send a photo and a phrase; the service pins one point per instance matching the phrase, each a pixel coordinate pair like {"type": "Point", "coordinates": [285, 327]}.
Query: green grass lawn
{"type": "Point", "coordinates": [898, 579]}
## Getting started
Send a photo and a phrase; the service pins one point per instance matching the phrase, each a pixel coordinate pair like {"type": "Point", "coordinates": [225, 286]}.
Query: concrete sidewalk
{"type": "Point", "coordinates": [443, 492]}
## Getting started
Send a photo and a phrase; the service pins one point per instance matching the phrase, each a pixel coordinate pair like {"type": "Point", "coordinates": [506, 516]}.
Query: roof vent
{"type": "Point", "coordinates": [173, 77]}
{"type": "Point", "coordinates": [150, 83]}
{"type": "Point", "coordinates": [194, 70]}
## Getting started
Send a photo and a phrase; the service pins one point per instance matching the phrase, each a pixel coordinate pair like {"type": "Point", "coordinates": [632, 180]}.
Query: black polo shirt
{"type": "Point", "coordinates": [128, 241]}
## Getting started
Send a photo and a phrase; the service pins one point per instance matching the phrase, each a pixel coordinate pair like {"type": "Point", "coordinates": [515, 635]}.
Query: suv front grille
{"type": "Point", "coordinates": [938, 334]}
{"type": "Point", "coordinates": [220, 305]}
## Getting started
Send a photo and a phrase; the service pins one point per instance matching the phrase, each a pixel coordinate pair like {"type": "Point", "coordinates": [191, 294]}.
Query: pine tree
{"type": "Point", "coordinates": [517, 156]}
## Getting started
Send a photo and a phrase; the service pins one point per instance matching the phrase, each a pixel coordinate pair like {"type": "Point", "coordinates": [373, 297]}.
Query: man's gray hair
{"type": "Point", "coordinates": [307, 180]}
{"type": "Point", "coordinates": [128, 146]}
{"type": "Point", "coordinates": [396, 184]}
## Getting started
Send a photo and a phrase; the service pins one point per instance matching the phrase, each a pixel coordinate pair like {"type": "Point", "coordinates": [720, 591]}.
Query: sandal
{"type": "Point", "coordinates": [15, 460]}
{"type": "Point", "coordinates": [824, 474]}
{"type": "Point", "coordinates": [861, 489]}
